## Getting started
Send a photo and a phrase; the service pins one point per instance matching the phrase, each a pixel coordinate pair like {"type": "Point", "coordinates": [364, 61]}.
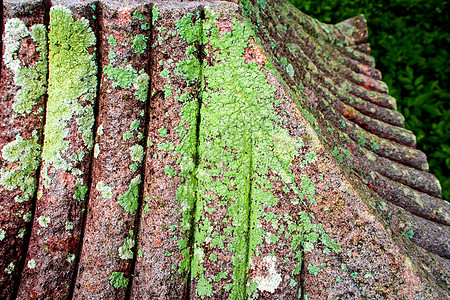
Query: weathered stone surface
{"type": "Point", "coordinates": [240, 149]}
{"type": "Point", "coordinates": [162, 265]}
{"type": "Point", "coordinates": [22, 107]}
{"type": "Point", "coordinates": [109, 237]}
{"type": "Point", "coordinates": [66, 154]}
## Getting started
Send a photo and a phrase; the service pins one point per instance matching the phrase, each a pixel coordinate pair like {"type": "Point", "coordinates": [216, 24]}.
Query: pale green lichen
{"type": "Point", "coordinates": [100, 130]}
{"type": "Point", "coordinates": [10, 268]}
{"type": "Point", "coordinates": [69, 225]}
{"type": "Point", "coordinates": [137, 153]}
{"type": "Point", "coordinates": [137, 15]}
{"type": "Point", "coordinates": [24, 156]}
{"type": "Point", "coordinates": [122, 77]}
{"type": "Point", "coordinates": [111, 40]}
{"type": "Point", "coordinates": [312, 269]}
{"type": "Point", "coordinates": [118, 280]}
{"type": "Point", "coordinates": [96, 150]}
{"type": "Point", "coordinates": [129, 200]}
{"type": "Point", "coordinates": [104, 190]}
{"type": "Point", "coordinates": [241, 138]}
{"type": "Point", "coordinates": [2, 234]}
{"type": "Point", "coordinates": [126, 250]}
{"type": "Point", "coordinates": [290, 70]}
{"type": "Point", "coordinates": [72, 86]}
{"type": "Point", "coordinates": [27, 216]}
{"type": "Point", "coordinates": [155, 14]}
{"type": "Point", "coordinates": [135, 124]}
{"type": "Point", "coordinates": [21, 233]}
{"type": "Point", "coordinates": [70, 257]}
{"type": "Point", "coordinates": [127, 135]}
{"type": "Point", "coordinates": [31, 80]}
{"type": "Point", "coordinates": [31, 264]}
{"type": "Point", "coordinates": [44, 221]}
{"type": "Point", "coordinates": [139, 43]}
{"type": "Point", "coordinates": [127, 77]}
{"type": "Point", "coordinates": [162, 132]}
{"type": "Point", "coordinates": [167, 146]}
{"type": "Point", "coordinates": [169, 172]}
{"type": "Point", "coordinates": [80, 192]}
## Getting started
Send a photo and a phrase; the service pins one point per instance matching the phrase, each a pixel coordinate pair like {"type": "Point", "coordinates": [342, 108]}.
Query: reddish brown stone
{"type": "Point", "coordinates": [60, 203]}
{"type": "Point", "coordinates": [110, 233]}
{"type": "Point", "coordinates": [161, 266]}
{"type": "Point", "coordinates": [276, 165]}
{"type": "Point", "coordinates": [21, 127]}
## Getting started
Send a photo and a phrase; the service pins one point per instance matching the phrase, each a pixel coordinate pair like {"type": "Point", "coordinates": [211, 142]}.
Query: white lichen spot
{"type": "Point", "coordinates": [96, 150]}
{"type": "Point", "coordinates": [137, 153]}
{"type": "Point", "coordinates": [126, 250]}
{"type": "Point", "coordinates": [290, 70]}
{"type": "Point", "coordinates": [70, 257]}
{"type": "Point", "coordinates": [44, 221]}
{"type": "Point", "coordinates": [269, 280]}
{"type": "Point", "coordinates": [69, 225]}
{"type": "Point", "coordinates": [31, 264]}
{"type": "Point", "coordinates": [27, 216]}
{"type": "Point", "coordinates": [2, 234]}
{"type": "Point", "coordinates": [15, 31]}
{"type": "Point", "coordinates": [136, 180]}
{"type": "Point", "coordinates": [21, 233]}
{"type": "Point", "coordinates": [10, 268]}
{"type": "Point", "coordinates": [106, 191]}
{"type": "Point", "coordinates": [141, 86]}
{"type": "Point", "coordinates": [100, 130]}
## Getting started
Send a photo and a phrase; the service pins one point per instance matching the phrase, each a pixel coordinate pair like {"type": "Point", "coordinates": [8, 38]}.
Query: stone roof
{"type": "Point", "coordinates": [211, 149]}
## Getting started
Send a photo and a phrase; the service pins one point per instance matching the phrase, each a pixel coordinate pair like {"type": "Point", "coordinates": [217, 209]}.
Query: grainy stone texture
{"type": "Point", "coordinates": [110, 234]}
{"type": "Point", "coordinates": [66, 154]}
{"type": "Point", "coordinates": [240, 149]}
{"type": "Point", "coordinates": [167, 207]}
{"type": "Point", "coordinates": [22, 107]}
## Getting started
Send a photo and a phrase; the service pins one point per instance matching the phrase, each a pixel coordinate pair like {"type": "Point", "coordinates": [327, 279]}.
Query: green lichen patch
{"type": "Point", "coordinates": [243, 151]}
{"type": "Point", "coordinates": [137, 153]}
{"type": "Point", "coordinates": [31, 79]}
{"type": "Point", "coordinates": [10, 268]}
{"type": "Point", "coordinates": [126, 250]}
{"type": "Point", "coordinates": [72, 85]}
{"type": "Point", "coordinates": [167, 146]}
{"type": "Point", "coordinates": [125, 76]}
{"type": "Point", "coordinates": [139, 43]}
{"type": "Point", "coordinates": [24, 158]}
{"type": "Point", "coordinates": [312, 269]}
{"type": "Point", "coordinates": [111, 40]}
{"type": "Point", "coordinates": [129, 200]}
{"type": "Point", "coordinates": [44, 221]}
{"type": "Point", "coordinates": [31, 263]}
{"type": "Point", "coordinates": [118, 280]}
{"type": "Point", "coordinates": [104, 190]}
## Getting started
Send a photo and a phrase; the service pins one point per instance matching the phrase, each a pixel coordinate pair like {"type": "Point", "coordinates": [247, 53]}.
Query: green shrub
{"type": "Point", "coordinates": [410, 42]}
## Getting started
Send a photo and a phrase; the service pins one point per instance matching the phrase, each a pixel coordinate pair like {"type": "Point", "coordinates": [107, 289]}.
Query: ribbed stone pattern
{"type": "Point", "coordinates": [207, 150]}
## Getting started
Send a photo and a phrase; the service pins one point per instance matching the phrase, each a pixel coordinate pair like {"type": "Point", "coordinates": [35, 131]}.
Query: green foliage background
{"type": "Point", "coordinates": [410, 42]}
